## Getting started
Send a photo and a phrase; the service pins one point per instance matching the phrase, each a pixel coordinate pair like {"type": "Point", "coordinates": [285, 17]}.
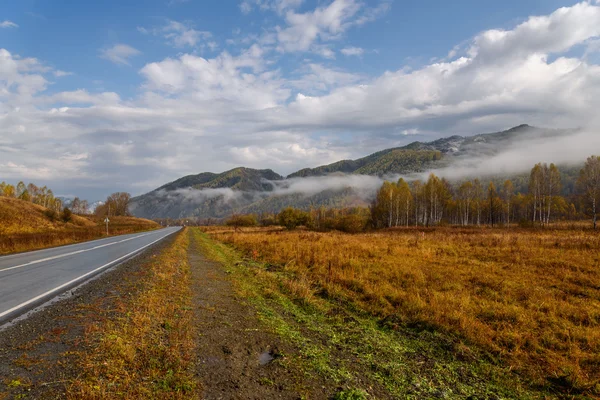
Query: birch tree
{"type": "Point", "coordinates": [508, 192]}
{"type": "Point", "coordinates": [589, 183]}
{"type": "Point", "coordinates": [20, 189]}
{"type": "Point", "coordinates": [478, 198]}
{"type": "Point", "coordinates": [466, 193]}
{"type": "Point", "coordinates": [553, 186]}
{"type": "Point", "coordinates": [405, 199]}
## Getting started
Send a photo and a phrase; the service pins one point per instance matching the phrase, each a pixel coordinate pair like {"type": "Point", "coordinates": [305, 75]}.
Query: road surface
{"type": "Point", "coordinates": [29, 279]}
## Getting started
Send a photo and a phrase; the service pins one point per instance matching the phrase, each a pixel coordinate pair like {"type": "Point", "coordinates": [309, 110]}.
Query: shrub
{"type": "Point", "coordinates": [239, 221]}
{"type": "Point", "coordinates": [525, 223]}
{"type": "Point", "coordinates": [67, 215]}
{"type": "Point", "coordinates": [51, 215]}
{"type": "Point", "coordinates": [268, 221]}
{"type": "Point", "coordinates": [292, 218]}
{"type": "Point", "coordinates": [352, 223]}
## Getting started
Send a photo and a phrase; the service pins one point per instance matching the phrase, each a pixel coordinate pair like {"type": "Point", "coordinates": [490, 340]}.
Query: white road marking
{"type": "Point", "coordinates": [70, 254]}
{"type": "Point", "coordinates": [56, 289]}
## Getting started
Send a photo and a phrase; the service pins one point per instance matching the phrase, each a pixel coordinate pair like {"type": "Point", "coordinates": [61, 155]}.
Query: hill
{"type": "Point", "coordinates": [240, 190]}
{"type": "Point", "coordinates": [209, 194]}
{"type": "Point", "coordinates": [27, 226]}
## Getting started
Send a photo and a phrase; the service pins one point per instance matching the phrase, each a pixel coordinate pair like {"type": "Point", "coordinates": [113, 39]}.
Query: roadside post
{"type": "Point", "coordinates": [107, 221]}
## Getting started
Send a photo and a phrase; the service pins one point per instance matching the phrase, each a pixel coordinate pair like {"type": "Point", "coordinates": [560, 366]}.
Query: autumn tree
{"type": "Point", "coordinates": [478, 198]}
{"type": "Point", "coordinates": [589, 184]}
{"type": "Point", "coordinates": [25, 196]}
{"type": "Point", "coordinates": [75, 205]}
{"type": "Point", "coordinates": [493, 203]}
{"type": "Point", "coordinates": [404, 201]}
{"type": "Point", "coordinates": [20, 189]}
{"type": "Point", "coordinates": [508, 192]}
{"type": "Point", "coordinates": [57, 205]}
{"type": "Point", "coordinates": [383, 207]}
{"type": "Point", "coordinates": [117, 204]}
{"type": "Point", "coordinates": [552, 187]}
{"type": "Point", "coordinates": [418, 202]}
{"type": "Point", "coordinates": [536, 184]}
{"type": "Point", "coordinates": [466, 194]}
{"type": "Point", "coordinates": [436, 195]}
{"type": "Point", "coordinates": [9, 191]}
{"type": "Point", "coordinates": [544, 184]}
{"type": "Point", "coordinates": [33, 191]}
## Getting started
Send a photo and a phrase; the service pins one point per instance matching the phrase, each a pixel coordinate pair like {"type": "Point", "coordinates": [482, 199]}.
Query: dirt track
{"type": "Point", "coordinates": [237, 357]}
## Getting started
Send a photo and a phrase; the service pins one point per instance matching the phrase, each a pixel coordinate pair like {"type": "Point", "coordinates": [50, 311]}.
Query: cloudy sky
{"type": "Point", "coordinates": [97, 97]}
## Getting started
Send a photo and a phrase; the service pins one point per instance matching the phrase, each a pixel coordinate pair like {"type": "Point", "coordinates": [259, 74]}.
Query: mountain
{"type": "Point", "coordinates": [243, 179]}
{"type": "Point", "coordinates": [206, 194]}
{"type": "Point", "coordinates": [399, 160]}
{"type": "Point", "coordinates": [341, 184]}
{"type": "Point", "coordinates": [419, 156]}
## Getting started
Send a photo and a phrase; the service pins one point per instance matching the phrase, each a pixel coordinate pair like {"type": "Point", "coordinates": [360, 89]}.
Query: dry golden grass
{"type": "Point", "coordinates": [530, 297]}
{"type": "Point", "coordinates": [146, 351]}
{"type": "Point", "coordinates": [24, 226]}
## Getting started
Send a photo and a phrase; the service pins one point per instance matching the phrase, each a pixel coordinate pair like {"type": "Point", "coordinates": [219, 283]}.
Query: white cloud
{"type": "Point", "coordinates": [8, 24]}
{"type": "Point", "coordinates": [316, 78]}
{"type": "Point", "coordinates": [413, 131]}
{"type": "Point", "coordinates": [60, 74]}
{"type": "Point", "coordinates": [20, 78]}
{"type": "Point", "coordinates": [352, 51]}
{"type": "Point", "coordinates": [310, 31]}
{"type": "Point", "coordinates": [82, 96]}
{"type": "Point", "coordinates": [324, 23]}
{"type": "Point", "coordinates": [197, 113]}
{"type": "Point", "coordinates": [180, 35]}
{"type": "Point", "coordinates": [279, 6]}
{"type": "Point", "coordinates": [506, 72]}
{"type": "Point", "coordinates": [226, 79]}
{"type": "Point", "coordinates": [245, 7]}
{"type": "Point", "coordinates": [119, 54]}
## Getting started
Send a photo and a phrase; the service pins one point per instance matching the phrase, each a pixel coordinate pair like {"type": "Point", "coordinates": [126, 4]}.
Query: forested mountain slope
{"type": "Point", "coordinates": [341, 184]}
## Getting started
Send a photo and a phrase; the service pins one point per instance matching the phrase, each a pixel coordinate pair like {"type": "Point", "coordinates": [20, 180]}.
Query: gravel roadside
{"type": "Point", "coordinates": [37, 354]}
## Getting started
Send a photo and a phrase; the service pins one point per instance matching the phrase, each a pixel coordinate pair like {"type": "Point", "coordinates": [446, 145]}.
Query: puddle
{"type": "Point", "coordinates": [265, 358]}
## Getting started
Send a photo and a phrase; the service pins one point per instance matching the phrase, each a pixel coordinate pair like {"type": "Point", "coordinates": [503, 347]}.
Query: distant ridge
{"type": "Point", "coordinates": [217, 195]}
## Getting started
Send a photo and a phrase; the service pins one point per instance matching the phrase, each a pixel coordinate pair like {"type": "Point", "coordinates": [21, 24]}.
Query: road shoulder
{"type": "Point", "coordinates": [40, 355]}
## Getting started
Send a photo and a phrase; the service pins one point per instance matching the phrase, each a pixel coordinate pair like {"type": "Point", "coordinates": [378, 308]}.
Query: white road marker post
{"type": "Point", "coordinates": [107, 221]}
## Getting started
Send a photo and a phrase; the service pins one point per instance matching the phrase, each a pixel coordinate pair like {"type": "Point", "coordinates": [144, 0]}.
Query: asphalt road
{"type": "Point", "coordinates": [29, 279]}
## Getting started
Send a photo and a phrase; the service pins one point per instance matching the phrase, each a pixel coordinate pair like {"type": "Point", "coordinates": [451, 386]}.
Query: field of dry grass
{"type": "Point", "coordinates": [530, 298]}
{"type": "Point", "coordinates": [24, 226]}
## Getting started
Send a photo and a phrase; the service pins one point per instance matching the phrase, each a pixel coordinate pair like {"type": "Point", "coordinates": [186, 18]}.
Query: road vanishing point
{"type": "Point", "coordinates": [29, 279]}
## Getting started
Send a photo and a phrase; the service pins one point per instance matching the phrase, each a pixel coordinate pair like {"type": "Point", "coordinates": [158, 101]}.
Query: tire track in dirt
{"type": "Point", "coordinates": [237, 357]}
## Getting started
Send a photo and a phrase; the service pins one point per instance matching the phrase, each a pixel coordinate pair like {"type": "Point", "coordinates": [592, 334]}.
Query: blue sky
{"type": "Point", "coordinates": [126, 95]}
{"type": "Point", "coordinates": [68, 35]}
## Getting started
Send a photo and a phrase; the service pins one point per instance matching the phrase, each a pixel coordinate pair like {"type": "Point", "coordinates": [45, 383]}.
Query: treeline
{"type": "Point", "coordinates": [117, 204]}
{"type": "Point", "coordinates": [351, 220]}
{"type": "Point", "coordinates": [437, 201]}
{"type": "Point", "coordinates": [38, 195]}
